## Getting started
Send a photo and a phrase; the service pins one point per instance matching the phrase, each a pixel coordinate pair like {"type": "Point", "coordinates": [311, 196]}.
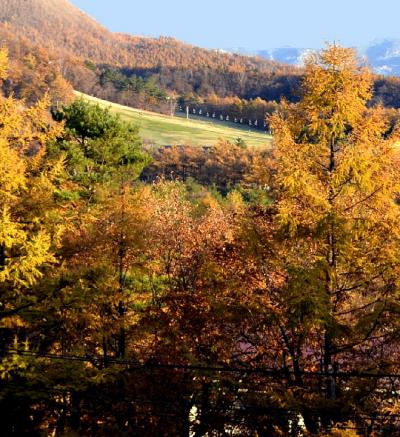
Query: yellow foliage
{"type": "Point", "coordinates": [11, 364]}
{"type": "Point", "coordinates": [28, 228]}
{"type": "Point", "coordinates": [3, 63]}
{"type": "Point", "coordinates": [348, 430]}
{"type": "Point", "coordinates": [333, 154]}
{"type": "Point", "coordinates": [12, 172]}
{"type": "Point", "coordinates": [337, 209]}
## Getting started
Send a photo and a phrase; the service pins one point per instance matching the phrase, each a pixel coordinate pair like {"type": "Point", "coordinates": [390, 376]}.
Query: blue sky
{"type": "Point", "coordinates": [252, 24]}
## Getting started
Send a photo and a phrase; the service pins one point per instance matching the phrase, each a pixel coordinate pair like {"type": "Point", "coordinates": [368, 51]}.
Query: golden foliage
{"type": "Point", "coordinates": [27, 233]}
{"type": "Point", "coordinates": [3, 63]}
{"type": "Point", "coordinates": [337, 215]}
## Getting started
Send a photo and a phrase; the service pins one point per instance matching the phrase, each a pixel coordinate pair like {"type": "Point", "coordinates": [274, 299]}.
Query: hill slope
{"type": "Point", "coordinates": [162, 130]}
{"type": "Point", "coordinates": [59, 24]}
{"type": "Point", "coordinates": [105, 64]}
{"type": "Point", "coordinates": [78, 40]}
{"type": "Point", "coordinates": [56, 24]}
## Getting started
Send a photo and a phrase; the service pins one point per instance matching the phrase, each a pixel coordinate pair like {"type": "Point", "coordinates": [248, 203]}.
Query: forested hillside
{"type": "Point", "coordinates": [58, 24]}
{"type": "Point", "coordinates": [136, 71]}
{"type": "Point", "coordinates": [52, 42]}
{"type": "Point", "coordinates": [236, 291]}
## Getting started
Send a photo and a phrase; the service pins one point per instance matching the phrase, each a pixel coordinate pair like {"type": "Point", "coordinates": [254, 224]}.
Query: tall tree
{"type": "Point", "coordinates": [28, 228]}
{"type": "Point", "coordinates": [337, 225]}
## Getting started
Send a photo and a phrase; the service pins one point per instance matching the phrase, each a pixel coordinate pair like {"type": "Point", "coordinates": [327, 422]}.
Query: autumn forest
{"type": "Point", "coordinates": [225, 290]}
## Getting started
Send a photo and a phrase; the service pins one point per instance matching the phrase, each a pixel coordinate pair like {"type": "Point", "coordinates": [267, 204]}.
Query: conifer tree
{"type": "Point", "coordinates": [28, 231]}
{"type": "Point", "coordinates": [99, 146]}
{"type": "Point", "coordinates": [338, 227]}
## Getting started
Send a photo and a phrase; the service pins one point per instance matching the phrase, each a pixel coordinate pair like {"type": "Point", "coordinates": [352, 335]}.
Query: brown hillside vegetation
{"type": "Point", "coordinates": [79, 40]}
{"type": "Point", "coordinates": [55, 24]}
{"type": "Point", "coordinates": [67, 44]}
{"type": "Point", "coordinates": [58, 24]}
{"type": "Point", "coordinates": [33, 72]}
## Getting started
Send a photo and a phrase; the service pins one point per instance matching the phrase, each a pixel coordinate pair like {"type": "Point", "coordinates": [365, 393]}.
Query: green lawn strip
{"type": "Point", "coordinates": [163, 129]}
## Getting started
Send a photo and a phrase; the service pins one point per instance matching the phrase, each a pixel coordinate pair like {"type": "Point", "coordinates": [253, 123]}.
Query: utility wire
{"type": "Point", "coordinates": [227, 369]}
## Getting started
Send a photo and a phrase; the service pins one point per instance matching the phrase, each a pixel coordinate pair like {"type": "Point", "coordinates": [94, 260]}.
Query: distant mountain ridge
{"type": "Point", "coordinates": [382, 55]}
{"type": "Point", "coordinates": [285, 55]}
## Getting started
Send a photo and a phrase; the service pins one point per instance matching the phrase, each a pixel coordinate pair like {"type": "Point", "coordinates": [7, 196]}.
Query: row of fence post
{"type": "Point", "coordinates": [256, 123]}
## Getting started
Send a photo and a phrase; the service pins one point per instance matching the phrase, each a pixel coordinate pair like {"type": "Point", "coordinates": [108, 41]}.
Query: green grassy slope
{"type": "Point", "coordinates": [162, 129]}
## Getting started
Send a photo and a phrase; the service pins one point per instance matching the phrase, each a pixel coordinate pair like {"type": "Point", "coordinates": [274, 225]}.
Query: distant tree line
{"type": "Point", "coordinates": [233, 85]}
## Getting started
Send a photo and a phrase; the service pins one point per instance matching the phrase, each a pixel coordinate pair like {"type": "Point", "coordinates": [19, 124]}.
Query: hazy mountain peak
{"type": "Point", "coordinates": [382, 55]}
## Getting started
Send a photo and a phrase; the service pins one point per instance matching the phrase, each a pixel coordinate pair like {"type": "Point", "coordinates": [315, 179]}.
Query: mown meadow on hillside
{"type": "Point", "coordinates": [162, 130]}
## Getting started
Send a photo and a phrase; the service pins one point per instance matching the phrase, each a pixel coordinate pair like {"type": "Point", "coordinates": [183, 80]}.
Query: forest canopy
{"type": "Point", "coordinates": [261, 298]}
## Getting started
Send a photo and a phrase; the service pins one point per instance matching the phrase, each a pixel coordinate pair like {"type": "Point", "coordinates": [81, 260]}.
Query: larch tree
{"type": "Point", "coordinates": [28, 228]}
{"type": "Point", "coordinates": [337, 225]}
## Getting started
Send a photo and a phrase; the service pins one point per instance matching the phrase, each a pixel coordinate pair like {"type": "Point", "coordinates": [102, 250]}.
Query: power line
{"type": "Point", "coordinates": [229, 407]}
{"type": "Point", "coordinates": [189, 367]}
